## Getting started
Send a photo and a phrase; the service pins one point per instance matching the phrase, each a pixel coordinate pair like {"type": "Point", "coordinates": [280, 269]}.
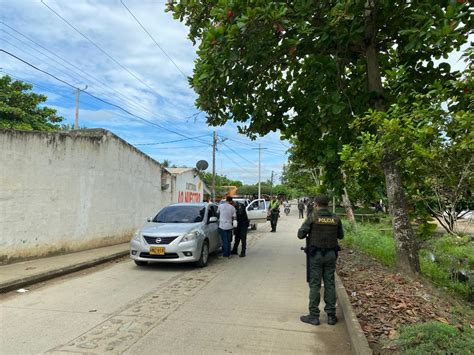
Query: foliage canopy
{"type": "Point", "coordinates": [23, 110]}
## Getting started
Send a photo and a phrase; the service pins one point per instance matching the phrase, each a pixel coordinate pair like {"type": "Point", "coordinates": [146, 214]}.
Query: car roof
{"type": "Point", "coordinates": [202, 204]}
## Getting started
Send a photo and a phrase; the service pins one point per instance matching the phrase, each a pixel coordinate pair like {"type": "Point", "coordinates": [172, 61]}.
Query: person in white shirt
{"type": "Point", "coordinates": [226, 214]}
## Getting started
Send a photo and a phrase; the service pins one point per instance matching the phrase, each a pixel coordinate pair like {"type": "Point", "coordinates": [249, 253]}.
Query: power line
{"type": "Point", "coordinates": [232, 160]}
{"type": "Point", "coordinates": [99, 99]}
{"type": "Point", "coordinates": [249, 144]}
{"type": "Point", "coordinates": [153, 39]}
{"type": "Point", "coordinates": [88, 104]}
{"type": "Point", "coordinates": [99, 48]}
{"type": "Point", "coordinates": [34, 56]}
{"type": "Point", "coordinates": [232, 150]}
{"type": "Point", "coordinates": [140, 106]}
{"type": "Point", "coordinates": [36, 68]}
{"type": "Point", "coordinates": [183, 147]}
{"type": "Point", "coordinates": [104, 85]}
{"type": "Point", "coordinates": [174, 141]}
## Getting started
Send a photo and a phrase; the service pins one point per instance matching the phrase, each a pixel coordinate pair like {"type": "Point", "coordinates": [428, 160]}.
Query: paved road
{"type": "Point", "coordinates": [245, 305]}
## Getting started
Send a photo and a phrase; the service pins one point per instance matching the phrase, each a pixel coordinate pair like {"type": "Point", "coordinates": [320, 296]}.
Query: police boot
{"type": "Point", "coordinates": [313, 320]}
{"type": "Point", "coordinates": [332, 319]}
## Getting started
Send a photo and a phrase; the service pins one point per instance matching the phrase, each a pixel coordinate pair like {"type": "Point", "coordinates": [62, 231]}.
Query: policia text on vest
{"type": "Point", "coordinates": [322, 230]}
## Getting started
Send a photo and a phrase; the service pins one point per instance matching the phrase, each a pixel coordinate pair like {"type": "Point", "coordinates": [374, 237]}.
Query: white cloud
{"type": "Point", "coordinates": [171, 101]}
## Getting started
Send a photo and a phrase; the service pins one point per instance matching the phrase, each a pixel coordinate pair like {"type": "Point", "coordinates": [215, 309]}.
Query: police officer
{"type": "Point", "coordinates": [323, 230]}
{"type": "Point", "coordinates": [274, 212]}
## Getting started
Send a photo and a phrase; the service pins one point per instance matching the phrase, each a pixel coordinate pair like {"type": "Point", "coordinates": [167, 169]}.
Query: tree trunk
{"type": "Point", "coordinates": [406, 245]}
{"type": "Point", "coordinates": [405, 241]}
{"type": "Point", "coordinates": [347, 202]}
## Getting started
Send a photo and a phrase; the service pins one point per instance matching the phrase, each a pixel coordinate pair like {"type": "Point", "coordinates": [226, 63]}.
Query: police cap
{"type": "Point", "coordinates": [322, 200]}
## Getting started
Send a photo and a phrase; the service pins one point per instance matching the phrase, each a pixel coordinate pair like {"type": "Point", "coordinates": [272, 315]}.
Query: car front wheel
{"type": "Point", "coordinates": [202, 262]}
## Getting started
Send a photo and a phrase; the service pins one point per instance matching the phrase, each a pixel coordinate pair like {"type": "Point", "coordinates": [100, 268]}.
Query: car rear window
{"type": "Point", "coordinates": [180, 214]}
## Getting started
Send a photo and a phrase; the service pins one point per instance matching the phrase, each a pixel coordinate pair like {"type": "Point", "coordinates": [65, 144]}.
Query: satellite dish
{"type": "Point", "coordinates": [202, 165]}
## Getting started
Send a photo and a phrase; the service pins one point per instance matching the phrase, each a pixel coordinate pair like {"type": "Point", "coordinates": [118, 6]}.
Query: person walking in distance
{"type": "Point", "coordinates": [301, 208]}
{"type": "Point", "coordinates": [309, 208]}
{"type": "Point", "coordinates": [226, 214]}
{"type": "Point", "coordinates": [241, 230]}
{"type": "Point", "coordinates": [323, 230]}
{"type": "Point", "coordinates": [274, 212]}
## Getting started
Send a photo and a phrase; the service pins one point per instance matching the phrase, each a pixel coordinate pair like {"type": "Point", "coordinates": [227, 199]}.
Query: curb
{"type": "Point", "coordinates": [359, 343]}
{"type": "Point", "coordinates": [47, 275]}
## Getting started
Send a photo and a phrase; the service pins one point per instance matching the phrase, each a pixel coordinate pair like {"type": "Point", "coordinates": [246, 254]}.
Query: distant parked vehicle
{"type": "Point", "coordinates": [256, 210]}
{"type": "Point", "coordinates": [179, 233]}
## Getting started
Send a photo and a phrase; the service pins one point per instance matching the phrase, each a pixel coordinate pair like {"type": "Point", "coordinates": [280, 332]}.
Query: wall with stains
{"type": "Point", "coordinates": [70, 191]}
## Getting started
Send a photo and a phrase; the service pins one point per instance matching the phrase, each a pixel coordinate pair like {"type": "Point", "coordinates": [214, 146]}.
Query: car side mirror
{"type": "Point", "coordinates": [149, 219]}
{"type": "Point", "coordinates": [213, 220]}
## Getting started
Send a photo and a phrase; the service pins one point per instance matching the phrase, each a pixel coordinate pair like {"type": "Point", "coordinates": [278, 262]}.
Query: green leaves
{"type": "Point", "coordinates": [19, 109]}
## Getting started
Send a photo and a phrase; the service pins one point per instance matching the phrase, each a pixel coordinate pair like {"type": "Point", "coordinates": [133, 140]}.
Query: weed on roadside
{"type": "Point", "coordinates": [375, 240]}
{"type": "Point", "coordinates": [449, 262]}
{"type": "Point", "coordinates": [435, 338]}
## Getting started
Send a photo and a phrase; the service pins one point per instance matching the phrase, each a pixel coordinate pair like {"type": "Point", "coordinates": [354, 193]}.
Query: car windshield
{"type": "Point", "coordinates": [180, 214]}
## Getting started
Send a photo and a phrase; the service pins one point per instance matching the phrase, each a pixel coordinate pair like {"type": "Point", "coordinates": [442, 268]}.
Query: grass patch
{"type": "Point", "coordinates": [453, 256]}
{"type": "Point", "coordinates": [435, 338]}
{"type": "Point", "coordinates": [372, 240]}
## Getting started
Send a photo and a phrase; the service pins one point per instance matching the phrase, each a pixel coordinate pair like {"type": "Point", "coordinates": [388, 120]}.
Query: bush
{"type": "Point", "coordinates": [451, 256]}
{"type": "Point", "coordinates": [435, 338]}
{"type": "Point", "coordinates": [371, 239]}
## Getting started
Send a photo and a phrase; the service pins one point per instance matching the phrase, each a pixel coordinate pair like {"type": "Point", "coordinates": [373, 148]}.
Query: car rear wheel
{"type": "Point", "coordinates": [202, 262]}
{"type": "Point", "coordinates": [253, 227]}
{"type": "Point", "coordinates": [141, 263]}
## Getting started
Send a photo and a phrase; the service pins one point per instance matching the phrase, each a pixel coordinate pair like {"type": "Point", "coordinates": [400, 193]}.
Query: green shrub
{"type": "Point", "coordinates": [373, 239]}
{"type": "Point", "coordinates": [452, 254]}
{"type": "Point", "coordinates": [435, 338]}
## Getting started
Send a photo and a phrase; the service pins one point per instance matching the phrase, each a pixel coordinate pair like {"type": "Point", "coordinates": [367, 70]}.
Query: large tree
{"type": "Point", "coordinates": [308, 68]}
{"type": "Point", "coordinates": [22, 109]}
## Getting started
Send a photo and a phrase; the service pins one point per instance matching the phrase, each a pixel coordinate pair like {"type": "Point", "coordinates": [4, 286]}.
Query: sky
{"type": "Point", "coordinates": [98, 44]}
{"type": "Point", "coordinates": [105, 49]}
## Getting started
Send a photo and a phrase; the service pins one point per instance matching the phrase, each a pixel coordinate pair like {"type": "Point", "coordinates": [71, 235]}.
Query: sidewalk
{"type": "Point", "coordinates": [17, 275]}
{"type": "Point", "coordinates": [277, 256]}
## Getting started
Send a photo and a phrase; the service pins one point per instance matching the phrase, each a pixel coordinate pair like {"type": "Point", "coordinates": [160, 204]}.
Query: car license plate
{"type": "Point", "coordinates": [157, 250]}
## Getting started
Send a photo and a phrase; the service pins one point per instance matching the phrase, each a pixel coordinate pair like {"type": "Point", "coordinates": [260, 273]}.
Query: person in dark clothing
{"type": "Point", "coordinates": [241, 230]}
{"type": "Point", "coordinates": [323, 229]}
{"type": "Point", "coordinates": [309, 208]}
{"type": "Point", "coordinates": [301, 208]}
{"type": "Point", "coordinates": [274, 212]}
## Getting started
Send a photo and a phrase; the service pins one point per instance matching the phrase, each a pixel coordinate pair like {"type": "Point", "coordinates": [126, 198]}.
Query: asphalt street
{"type": "Point", "coordinates": [245, 305]}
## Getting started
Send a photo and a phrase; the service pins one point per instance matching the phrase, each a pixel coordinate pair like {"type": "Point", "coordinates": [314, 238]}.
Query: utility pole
{"type": "Point", "coordinates": [271, 184]}
{"type": "Point", "coordinates": [259, 167]}
{"type": "Point", "coordinates": [214, 148]}
{"type": "Point", "coordinates": [76, 124]}
{"type": "Point", "coordinates": [78, 92]}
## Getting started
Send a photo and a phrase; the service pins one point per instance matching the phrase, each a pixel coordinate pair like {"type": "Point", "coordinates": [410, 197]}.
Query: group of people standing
{"type": "Point", "coordinates": [305, 203]}
{"type": "Point", "coordinates": [321, 229]}
{"type": "Point", "coordinates": [233, 219]}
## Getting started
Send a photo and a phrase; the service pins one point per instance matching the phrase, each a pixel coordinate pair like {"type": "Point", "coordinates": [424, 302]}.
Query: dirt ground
{"type": "Point", "coordinates": [384, 300]}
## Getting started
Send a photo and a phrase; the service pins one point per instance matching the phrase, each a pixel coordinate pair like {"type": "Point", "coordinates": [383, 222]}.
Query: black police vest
{"type": "Point", "coordinates": [324, 231]}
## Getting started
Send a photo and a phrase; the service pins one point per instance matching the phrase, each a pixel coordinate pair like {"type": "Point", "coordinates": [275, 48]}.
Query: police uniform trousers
{"type": "Point", "coordinates": [274, 220]}
{"type": "Point", "coordinates": [322, 267]}
{"type": "Point", "coordinates": [301, 211]}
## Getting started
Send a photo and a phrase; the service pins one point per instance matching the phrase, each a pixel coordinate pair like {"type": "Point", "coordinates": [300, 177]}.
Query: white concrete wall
{"type": "Point", "coordinates": [71, 191]}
